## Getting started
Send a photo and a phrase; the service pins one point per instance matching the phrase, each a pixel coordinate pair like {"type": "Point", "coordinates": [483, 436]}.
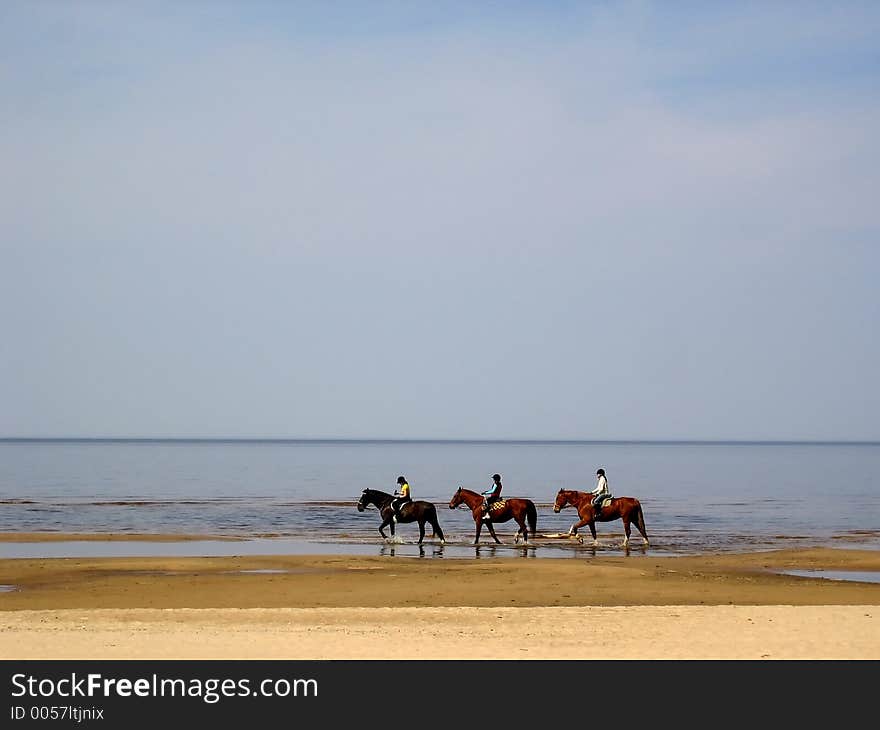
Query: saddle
{"type": "Point", "coordinates": [496, 504]}
{"type": "Point", "coordinates": [606, 502]}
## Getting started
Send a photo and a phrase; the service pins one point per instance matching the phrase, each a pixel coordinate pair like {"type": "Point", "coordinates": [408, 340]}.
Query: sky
{"type": "Point", "coordinates": [597, 221]}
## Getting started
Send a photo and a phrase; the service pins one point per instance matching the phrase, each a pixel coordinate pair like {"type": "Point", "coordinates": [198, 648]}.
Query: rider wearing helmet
{"type": "Point", "coordinates": [401, 497]}
{"type": "Point", "coordinates": [491, 495]}
{"type": "Point", "coordinates": [600, 492]}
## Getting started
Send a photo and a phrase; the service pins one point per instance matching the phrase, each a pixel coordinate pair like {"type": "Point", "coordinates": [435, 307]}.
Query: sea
{"type": "Point", "coordinates": [299, 496]}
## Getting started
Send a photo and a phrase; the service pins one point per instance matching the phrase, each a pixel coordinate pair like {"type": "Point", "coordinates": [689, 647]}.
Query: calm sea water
{"type": "Point", "coordinates": [696, 497]}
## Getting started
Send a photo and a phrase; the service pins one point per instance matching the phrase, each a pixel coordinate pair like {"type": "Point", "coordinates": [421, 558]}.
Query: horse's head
{"type": "Point", "coordinates": [362, 502]}
{"type": "Point", "coordinates": [456, 499]}
{"type": "Point", "coordinates": [561, 500]}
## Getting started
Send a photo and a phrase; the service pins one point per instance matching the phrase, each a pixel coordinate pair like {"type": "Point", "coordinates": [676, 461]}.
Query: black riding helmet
{"type": "Point", "coordinates": [496, 477]}
{"type": "Point", "coordinates": [401, 480]}
{"type": "Point", "coordinates": [600, 473]}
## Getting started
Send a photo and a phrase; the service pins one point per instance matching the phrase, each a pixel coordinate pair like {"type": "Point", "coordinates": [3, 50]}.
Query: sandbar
{"type": "Point", "coordinates": [724, 606]}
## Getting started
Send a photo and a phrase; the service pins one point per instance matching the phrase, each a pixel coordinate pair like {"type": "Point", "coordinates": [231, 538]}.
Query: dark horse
{"type": "Point", "coordinates": [418, 511]}
{"type": "Point", "coordinates": [628, 509]}
{"type": "Point", "coordinates": [515, 508]}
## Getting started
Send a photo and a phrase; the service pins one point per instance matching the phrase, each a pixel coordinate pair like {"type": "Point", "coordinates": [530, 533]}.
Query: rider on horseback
{"type": "Point", "coordinates": [401, 497]}
{"type": "Point", "coordinates": [601, 492]}
{"type": "Point", "coordinates": [492, 494]}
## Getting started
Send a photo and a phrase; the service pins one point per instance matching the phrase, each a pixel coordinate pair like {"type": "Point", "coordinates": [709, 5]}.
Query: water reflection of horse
{"type": "Point", "coordinates": [417, 511]}
{"type": "Point", "coordinates": [628, 509]}
{"type": "Point", "coordinates": [515, 508]}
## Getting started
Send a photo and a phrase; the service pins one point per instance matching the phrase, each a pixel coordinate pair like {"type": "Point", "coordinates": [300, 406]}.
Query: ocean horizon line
{"type": "Point", "coordinates": [439, 441]}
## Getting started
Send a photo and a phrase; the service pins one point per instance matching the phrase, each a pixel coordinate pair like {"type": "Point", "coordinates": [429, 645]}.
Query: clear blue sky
{"type": "Point", "coordinates": [440, 220]}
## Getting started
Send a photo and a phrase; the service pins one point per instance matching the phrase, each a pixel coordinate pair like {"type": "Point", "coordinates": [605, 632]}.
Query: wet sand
{"type": "Point", "coordinates": [713, 606]}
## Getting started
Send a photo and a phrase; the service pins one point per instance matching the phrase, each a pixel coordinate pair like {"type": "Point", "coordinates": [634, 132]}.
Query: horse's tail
{"type": "Point", "coordinates": [532, 517]}
{"type": "Point", "coordinates": [640, 520]}
{"type": "Point", "coordinates": [435, 523]}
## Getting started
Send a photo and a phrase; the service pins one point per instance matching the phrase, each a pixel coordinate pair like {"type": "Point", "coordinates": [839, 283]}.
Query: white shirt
{"type": "Point", "coordinates": [601, 486]}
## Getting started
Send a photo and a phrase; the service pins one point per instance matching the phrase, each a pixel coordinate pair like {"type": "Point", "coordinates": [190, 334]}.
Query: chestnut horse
{"type": "Point", "coordinates": [417, 511]}
{"type": "Point", "coordinates": [515, 508]}
{"type": "Point", "coordinates": [628, 509]}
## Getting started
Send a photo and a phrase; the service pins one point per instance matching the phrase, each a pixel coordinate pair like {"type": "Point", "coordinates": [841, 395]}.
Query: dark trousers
{"type": "Point", "coordinates": [397, 504]}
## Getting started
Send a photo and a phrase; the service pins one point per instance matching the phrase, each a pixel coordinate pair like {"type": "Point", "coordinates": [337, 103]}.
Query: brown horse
{"type": "Point", "coordinates": [628, 509]}
{"type": "Point", "coordinates": [516, 508]}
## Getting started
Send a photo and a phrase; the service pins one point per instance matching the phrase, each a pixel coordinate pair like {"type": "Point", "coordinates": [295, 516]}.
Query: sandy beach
{"type": "Point", "coordinates": [736, 606]}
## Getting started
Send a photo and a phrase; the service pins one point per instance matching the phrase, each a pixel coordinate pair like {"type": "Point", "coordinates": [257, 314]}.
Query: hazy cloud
{"type": "Point", "coordinates": [596, 221]}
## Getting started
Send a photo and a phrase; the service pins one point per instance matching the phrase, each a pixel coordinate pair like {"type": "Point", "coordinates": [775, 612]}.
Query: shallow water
{"type": "Point", "coordinates": [696, 497]}
{"type": "Point", "coordinates": [860, 576]}
{"type": "Point", "coordinates": [281, 546]}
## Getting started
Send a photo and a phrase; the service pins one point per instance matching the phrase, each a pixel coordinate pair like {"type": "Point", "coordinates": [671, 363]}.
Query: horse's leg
{"type": "Point", "coordinates": [522, 531]}
{"type": "Point", "coordinates": [625, 519]}
{"type": "Point", "coordinates": [573, 530]}
{"type": "Point", "coordinates": [492, 531]}
{"type": "Point", "coordinates": [593, 531]}
{"type": "Point", "coordinates": [421, 529]}
{"type": "Point", "coordinates": [479, 526]}
{"type": "Point", "coordinates": [385, 523]}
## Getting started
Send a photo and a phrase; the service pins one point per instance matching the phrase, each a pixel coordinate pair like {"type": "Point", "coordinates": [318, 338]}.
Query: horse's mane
{"type": "Point", "coordinates": [379, 493]}
{"type": "Point", "coordinates": [503, 499]}
{"type": "Point", "coordinates": [577, 494]}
